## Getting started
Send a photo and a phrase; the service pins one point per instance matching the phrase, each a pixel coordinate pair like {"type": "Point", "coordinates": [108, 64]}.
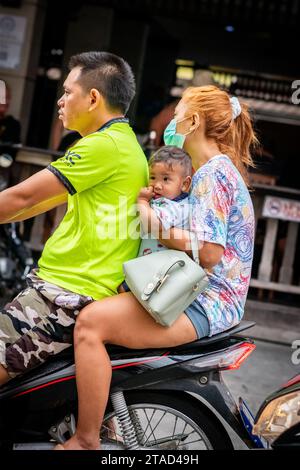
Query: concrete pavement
{"type": "Point", "coordinates": [274, 322]}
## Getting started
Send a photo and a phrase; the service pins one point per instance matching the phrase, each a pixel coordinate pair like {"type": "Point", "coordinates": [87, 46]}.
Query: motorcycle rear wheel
{"type": "Point", "coordinates": [164, 422]}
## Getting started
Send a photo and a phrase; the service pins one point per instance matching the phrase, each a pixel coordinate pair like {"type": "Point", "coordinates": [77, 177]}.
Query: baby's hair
{"type": "Point", "coordinates": [173, 155]}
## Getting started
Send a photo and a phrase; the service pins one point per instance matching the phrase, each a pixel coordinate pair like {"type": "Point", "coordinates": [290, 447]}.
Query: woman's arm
{"type": "Point", "coordinates": [210, 254]}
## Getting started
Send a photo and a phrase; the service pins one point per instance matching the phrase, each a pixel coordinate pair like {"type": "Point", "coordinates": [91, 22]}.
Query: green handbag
{"type": "Point", "coordinates": [166, 282]}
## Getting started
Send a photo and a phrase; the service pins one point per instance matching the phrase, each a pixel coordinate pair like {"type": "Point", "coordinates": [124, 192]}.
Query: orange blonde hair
{"type": "Point", "coordinates": [233, 136]}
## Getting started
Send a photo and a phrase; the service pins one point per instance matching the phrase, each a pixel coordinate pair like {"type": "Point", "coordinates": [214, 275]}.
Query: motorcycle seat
{"type": "Point", "coordinates": [66, 357]}
{"type": "Point", "coordinates": [197, 345]}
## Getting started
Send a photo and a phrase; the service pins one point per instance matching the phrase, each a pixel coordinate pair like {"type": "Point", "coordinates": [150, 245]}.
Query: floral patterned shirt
{"type": "Point", "coordinates": [222, 213]}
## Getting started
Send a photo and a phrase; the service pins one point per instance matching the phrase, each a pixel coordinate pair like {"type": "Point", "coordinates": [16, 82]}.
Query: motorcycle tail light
{"type": "Point", "coordinates": [227, 359]}
{"type": "Point", "coordinates": [240, 355]}
{"type": "Point", "coordinates": [279, 415]}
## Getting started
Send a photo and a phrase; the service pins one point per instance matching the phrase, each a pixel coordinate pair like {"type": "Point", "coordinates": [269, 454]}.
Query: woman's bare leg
{"type": "Point", "coordinates": [4, 377]}
{"type": "Point", "coordinates": [116, 320]}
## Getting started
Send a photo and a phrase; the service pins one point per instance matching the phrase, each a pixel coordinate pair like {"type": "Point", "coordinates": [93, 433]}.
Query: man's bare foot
{"type": "Point", "coordinates": [75, 443]}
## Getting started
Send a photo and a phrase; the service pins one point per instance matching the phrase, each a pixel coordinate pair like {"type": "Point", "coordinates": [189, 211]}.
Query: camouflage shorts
{"type": "Point", "coordinates": [38, 323]}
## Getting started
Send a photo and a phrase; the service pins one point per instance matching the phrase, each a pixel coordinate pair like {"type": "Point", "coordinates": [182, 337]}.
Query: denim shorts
{"type": "Point", "coordinates": [198, 318]}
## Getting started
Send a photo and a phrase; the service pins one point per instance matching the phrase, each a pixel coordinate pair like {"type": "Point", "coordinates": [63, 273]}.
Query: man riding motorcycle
{"type": "Point", "coordinates": [74, 268]}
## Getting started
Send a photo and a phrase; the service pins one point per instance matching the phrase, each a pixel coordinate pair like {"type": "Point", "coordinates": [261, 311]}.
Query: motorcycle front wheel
{"type": "Point", "coordinates": [163, 422]}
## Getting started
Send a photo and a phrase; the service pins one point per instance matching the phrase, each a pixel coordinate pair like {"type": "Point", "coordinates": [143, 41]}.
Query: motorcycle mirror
{"type": "Point", "coordinates": [5, 160]}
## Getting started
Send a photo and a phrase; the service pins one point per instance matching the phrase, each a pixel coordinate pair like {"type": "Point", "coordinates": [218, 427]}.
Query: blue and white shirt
{"type": "Point", "coordinates": [171, 213]}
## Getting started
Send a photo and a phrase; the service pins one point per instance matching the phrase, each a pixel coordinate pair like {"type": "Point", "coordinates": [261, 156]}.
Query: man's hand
{"type": "Point", "coordinates": [146, 194]}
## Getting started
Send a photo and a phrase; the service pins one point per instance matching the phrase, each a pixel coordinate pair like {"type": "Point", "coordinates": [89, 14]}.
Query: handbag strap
{"type": "Point", "coordinates": [160, 277]}
{"type": "Point", "coordinates": [193, 239]}
{"type": "Point", "coordinates": [195, 247]}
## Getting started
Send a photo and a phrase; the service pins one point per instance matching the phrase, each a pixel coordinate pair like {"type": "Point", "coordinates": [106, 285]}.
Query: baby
{"type": "Point", "coordinates": [165, 203]}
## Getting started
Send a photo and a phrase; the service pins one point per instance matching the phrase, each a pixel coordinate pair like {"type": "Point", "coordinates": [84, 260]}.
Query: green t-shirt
{"type": "Point", "coordinates": [103, 173]}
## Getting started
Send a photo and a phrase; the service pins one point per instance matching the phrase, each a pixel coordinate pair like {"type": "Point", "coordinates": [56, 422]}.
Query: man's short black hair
{"type": "Point", "coordinates": [173, 155]}
{"type": "Point", "coordinates": [109, 74]}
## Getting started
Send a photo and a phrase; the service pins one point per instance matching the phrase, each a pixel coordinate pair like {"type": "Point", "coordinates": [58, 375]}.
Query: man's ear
{"type": "Point", "coordinates": [95, 99]}
{"type": "Point", "coordinates": [186, 184]}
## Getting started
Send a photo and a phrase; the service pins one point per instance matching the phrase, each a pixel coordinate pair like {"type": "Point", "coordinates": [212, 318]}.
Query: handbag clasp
{"type": "Point", "coordinates": [159, 279]}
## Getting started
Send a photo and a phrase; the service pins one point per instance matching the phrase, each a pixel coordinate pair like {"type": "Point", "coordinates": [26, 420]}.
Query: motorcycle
{"type": "Point", "coordinates": [15, 258]}
{"type": "Point", "coordinates": [166, 399]}
{"type": "Point", "coordinates": [278, 419]}
{"type": "Point", "coordinates": [160, 399]}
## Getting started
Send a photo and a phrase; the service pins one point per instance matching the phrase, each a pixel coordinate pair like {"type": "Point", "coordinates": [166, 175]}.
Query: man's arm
{"type": "Point", "coordinates": [39, 193]}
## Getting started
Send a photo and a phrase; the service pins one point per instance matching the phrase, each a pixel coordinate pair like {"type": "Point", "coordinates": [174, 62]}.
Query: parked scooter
{"type": "Point", "coordinates": [15, 258]}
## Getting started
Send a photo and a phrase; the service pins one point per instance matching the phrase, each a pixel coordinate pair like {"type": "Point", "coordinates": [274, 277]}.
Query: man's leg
{"type": "Point", "coordinates": [31, 329]}
{"type": "Point", "coordinates": [10, 332]}
{"type": "Point", "coordinates": [117, 320]}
